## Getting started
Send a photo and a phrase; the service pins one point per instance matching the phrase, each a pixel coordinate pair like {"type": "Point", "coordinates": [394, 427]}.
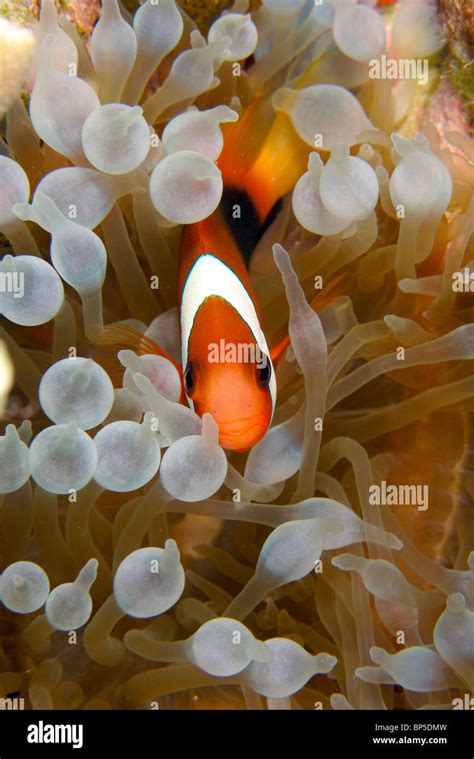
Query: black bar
{"type": "Point", "coordinates": [325, 734]}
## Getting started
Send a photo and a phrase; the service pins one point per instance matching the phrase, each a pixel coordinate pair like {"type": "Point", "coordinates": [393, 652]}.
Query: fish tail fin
{"type": "Point", "coordinates": [262, 156]}
{"type": "Point", "coordinates": [243, 140]}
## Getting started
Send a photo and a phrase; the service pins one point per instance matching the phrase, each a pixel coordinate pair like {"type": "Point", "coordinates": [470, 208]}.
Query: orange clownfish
{"type": "Point", "coordinates": [227, 366]}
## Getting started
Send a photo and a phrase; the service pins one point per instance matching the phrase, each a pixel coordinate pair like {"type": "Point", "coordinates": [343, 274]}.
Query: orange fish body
{"type": "Point", "coordinates": [226, 362]}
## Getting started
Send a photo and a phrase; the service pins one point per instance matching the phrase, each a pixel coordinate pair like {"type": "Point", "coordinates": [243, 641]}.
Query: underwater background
{"type": "Point", "coordinates": [144, 562]}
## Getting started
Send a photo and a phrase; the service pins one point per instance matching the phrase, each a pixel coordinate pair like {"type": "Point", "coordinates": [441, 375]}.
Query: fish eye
{"type": "Point", "coordinates": [264, 373]}
{"type": "Point", "coordinates": [189, 379]}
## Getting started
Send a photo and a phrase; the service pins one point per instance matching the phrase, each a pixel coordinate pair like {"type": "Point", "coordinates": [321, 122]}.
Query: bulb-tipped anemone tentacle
{"type": "Point", "coordinates": [14, 192]}
{"type": "Point", "coordinates": [14, 461]}
{"type": "Point", "coordinates": [348, 185]}
{"type": "Point", "coordinates": [353, 23]}
{"type": "Point", "coordinates": [84, 194]}
{"type": "Point", "coordinates": [201, 457]}
{"type": "Point", "coordinates": [417, 668]}
{"type": "Point", "coordinates": [36, 293]}
{"type": "Point", "coordinates": [278, 455]}
{"type": "Point", "coordinates": [69, 606]}
{"type": "Point", "coordinates": [221, 647]}
{"type": "Point", "coordinates": [161, 579]}
{"type": "Point", "coordinates": [453, 639]}
{"type": "Point", "coordinates": [76, 390]}
{"type": "Point", "coordinates": [162, 374]}
{"type": "Point", "coordinates": [385, 581]}
{"type": "Point", "coordinates": [421, 189]}
{"type": "Point", "coordinates": [62, 458]}
{"type": "Point", "coordinates": [194, 187]}
{"type": "Point", "coordinates": [24, 587]}
{"type": "Point", "coordinates": [128, 455]}
{"type": "Point", "coordinates": [158, 576]}
{"type": "Point", "coordinates": [175, 421]}
{"type": "Point", "coordinates": [337, 113]}
{"type": "Point", "coordinates": [308, 206]}
{"type": "Point", "coordinates": [113, 53]}
{"type": "Point", "coordinates": [116, 138]}
{"type": "Point", "coordinates": [241, 31]}
{"type": "Point", "coordinates": [158, 28]}
{"type": "Point", "coordinates": [288, 554]}
{"type": "Point", "coordinates": [60, 128]}
{"type": "Point", "coordinates": [236, 303]}
{"type": "Point", "coordinates": [289, 667]}
{"type": "Point", "coordinates": [192, 73]}
{"type": "Point", "coordinates": [79, 256]}
{"type": "Point", "coordinates": [198, 130]}
{"type": "Point", "coordinates": [65, 51]}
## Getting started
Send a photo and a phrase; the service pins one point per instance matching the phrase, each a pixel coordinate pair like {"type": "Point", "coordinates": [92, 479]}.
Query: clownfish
{"type": "Point", "coordinates": [217, 305]}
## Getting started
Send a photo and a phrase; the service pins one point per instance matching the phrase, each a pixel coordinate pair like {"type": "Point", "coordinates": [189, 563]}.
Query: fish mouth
{"type": "Point", "coordinates": [238, 426]}
{"type": "Point", "coordinates": [242, 434]}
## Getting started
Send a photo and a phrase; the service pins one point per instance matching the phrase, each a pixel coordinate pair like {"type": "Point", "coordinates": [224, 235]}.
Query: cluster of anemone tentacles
{"type": "Point", "coordinates": [120, 499]}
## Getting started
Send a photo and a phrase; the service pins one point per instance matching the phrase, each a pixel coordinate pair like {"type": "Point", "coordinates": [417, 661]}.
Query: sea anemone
{"type": "Point", "coordinates": [331, 565]}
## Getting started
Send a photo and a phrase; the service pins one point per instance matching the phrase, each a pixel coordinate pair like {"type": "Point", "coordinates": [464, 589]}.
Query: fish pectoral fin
{"type": "Point", "coordinates": [334, 289]}
{"type": "Point", "coordinates": [278, 350]}
{"type": "Point", "coordinates": [338, 286]}
{"type": "Point", "coordinates": [117, 337]}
